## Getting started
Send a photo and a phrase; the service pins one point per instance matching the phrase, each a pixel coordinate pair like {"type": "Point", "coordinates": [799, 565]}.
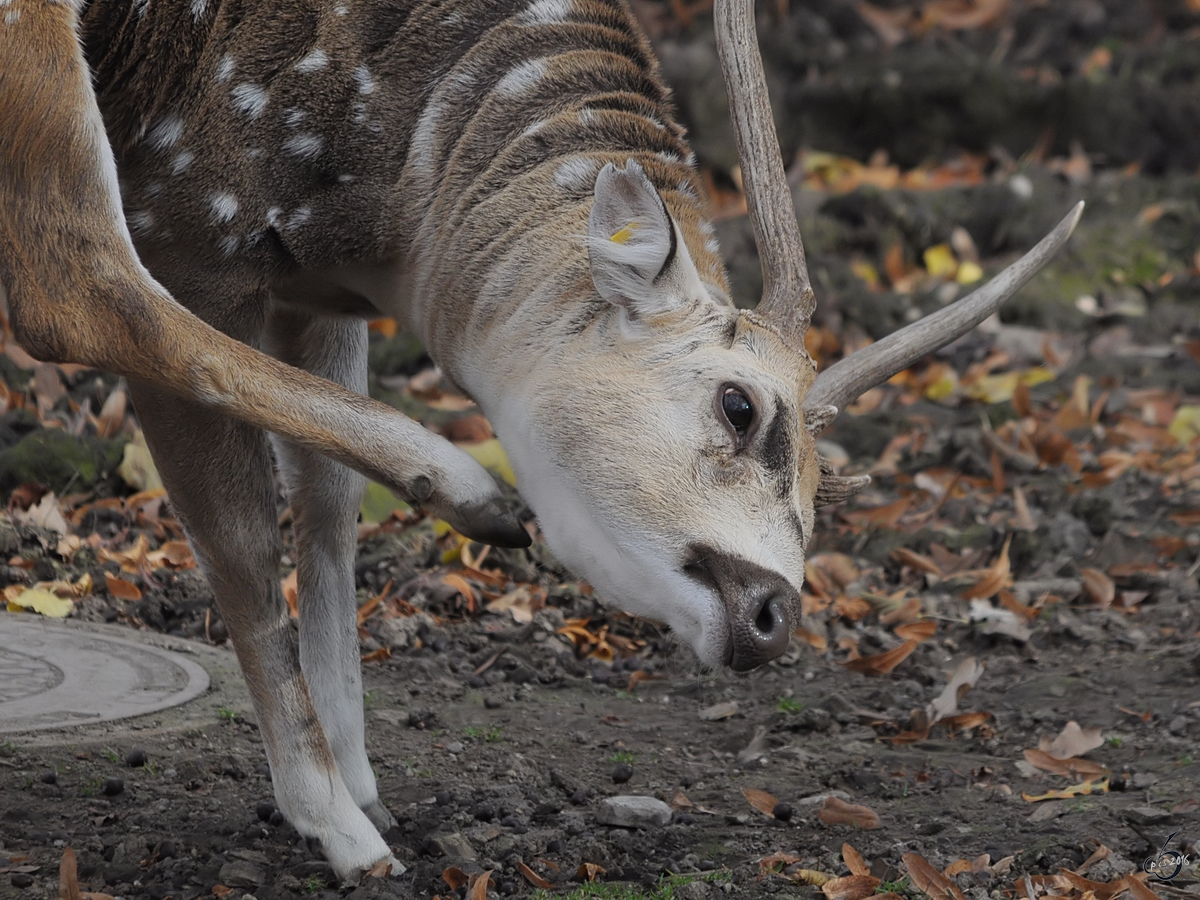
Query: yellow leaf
{"type": "Point", "coordinates": [1185, 427]}
{"type": "Point", "coordinates": [379, 503]}
{"type": "Point", "coordinates": [42, 601]}
{"type": "Point", "coordinates": [943, 385]}
{"type": "Point", "coordinates": [968, 273]}
{"type": "Point", "coordinates": [1000, 388]}
{"type": "Point", "coordinates": [624, 234]}
{"type": "Point", "coordinates": [491, 455]}
{"type": "Point", "coordinates": [866, 272]}
{"type": "Point", "coordinates": [940, 261]}
{"type": "Point", "coordinates": [1074, 790]}
{"type": "Point", "coordinates": [137, 468]}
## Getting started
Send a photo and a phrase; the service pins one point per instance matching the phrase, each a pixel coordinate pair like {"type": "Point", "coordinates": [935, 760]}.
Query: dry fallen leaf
{"type": "Point", "coordinates": [1072, 766]}
{"type": "Point", "coordinates": [997, 576]}
{"type": "Point", "coordinates": [1099, 587]}
{"type": "Point", "coordinates": [764, 802]}
{"type": "Point", "coordinates": [1071, 741]}
{"type": "Point", "coordinates": [479, 888]}
{"type": "Point", "coordinates": [929, 880]}
{"type": "Point", "coordinates": [850, 887]}
{"type": "Point", "coordinates": [589, 872]}
{"type": "Point", "coordinates": [122, 589]}
{"type": "Point", "coordinates": [881, 663]}
{"type": "Point", "coordinates": [854, 861]}
{"type": "Point", "coordinates": [1087, 787]}
{"type": "Point", "coordinates": [533, 877]}
{"type": "Point", "coordinates": [839, 812]}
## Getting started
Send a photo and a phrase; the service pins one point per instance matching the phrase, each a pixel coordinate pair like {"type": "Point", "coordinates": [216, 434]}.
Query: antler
{"type": "Point", "coordinates": [787, 300]}
{"type": "Point", "coordinates": [845, 381]}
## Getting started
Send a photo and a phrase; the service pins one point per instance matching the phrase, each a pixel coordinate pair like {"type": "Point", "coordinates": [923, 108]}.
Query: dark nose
{"type": "Point", "coordinates": [760, 605]}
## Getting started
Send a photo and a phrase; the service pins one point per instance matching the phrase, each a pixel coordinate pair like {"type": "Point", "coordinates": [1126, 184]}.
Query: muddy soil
{"type": "Point", "coordinates": [497, 741]}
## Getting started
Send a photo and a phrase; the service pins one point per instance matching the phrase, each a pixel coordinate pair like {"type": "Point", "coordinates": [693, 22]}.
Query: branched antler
{"type": "Point", "coordinates": [787, 300]}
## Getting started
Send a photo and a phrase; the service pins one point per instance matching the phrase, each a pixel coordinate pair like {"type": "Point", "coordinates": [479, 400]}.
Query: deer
{"type": "Point", "coordinates": [211, 198]}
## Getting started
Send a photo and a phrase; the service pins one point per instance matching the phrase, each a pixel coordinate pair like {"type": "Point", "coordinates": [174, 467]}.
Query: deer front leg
{"type": "Point", "coordinates": [325, 497]}
{"type": "Point", "coordinates": [218, 473]}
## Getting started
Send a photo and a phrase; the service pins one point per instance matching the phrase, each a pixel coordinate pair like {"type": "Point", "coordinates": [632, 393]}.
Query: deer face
{"type": "Point", "coordinates": [671, 465]}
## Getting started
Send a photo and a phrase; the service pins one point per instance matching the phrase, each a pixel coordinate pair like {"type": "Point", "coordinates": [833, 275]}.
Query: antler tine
{"type": "Point", "coordinates": [845, 381]}
{"type": "Point", "coordinates": [787, 299]}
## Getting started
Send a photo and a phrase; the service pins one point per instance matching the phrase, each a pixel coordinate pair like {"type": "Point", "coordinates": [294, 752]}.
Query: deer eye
{"type": "Point", "coordinates": [738, 410]}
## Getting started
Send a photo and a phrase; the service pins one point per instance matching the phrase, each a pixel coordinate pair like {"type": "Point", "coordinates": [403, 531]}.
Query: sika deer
{"type": "Point", "coordinates": [506, 178]}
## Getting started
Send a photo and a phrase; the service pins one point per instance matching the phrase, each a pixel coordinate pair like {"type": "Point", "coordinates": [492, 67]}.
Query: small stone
{"type": "Point", "coordinates": [422, 717]}
{"type": "Point", "coordinates": [632, 811]}
{"type": "Point", "coordinates": [454, 846]}
{"type": "Point", "coordinates": [264, 810]}
{"type": "Point", "coordinates": [113, 786]}
{"type": "Point", "coordinates": [21, 880]}
{"type": "Point", "coordinates": [485, 812]}
{"type": "Point", "coordinates": [1146, 815]}
{"type": "Point", "coordinates": [136, 758]}
{"type": "Point", "coordinates": [782, 811]}
{"type": "Point", "coordinates": [443, 798]}
{"type": "Point", "coordinates": [49, 778]}
{"type": "Point", "coordinates": [455, 747]}
{"type": "Point", "coordinates": [555, 846]}
{"type": "Point", "coordinates": [621, 773]}
{"type": "Point", "coordinates": [493, 702]}
{"type": "Point", "coordinates": [240, 873]}
{"type": "Point", "coordinates": [579, 797]}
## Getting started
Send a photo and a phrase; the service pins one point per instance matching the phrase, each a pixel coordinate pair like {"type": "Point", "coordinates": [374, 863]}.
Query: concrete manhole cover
{"type": "Point", "coordinates": [57, 674]}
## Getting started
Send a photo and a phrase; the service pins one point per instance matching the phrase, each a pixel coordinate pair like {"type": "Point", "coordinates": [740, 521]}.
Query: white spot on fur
{"type": "Point", "coordinates": [707, 228]}
{"type": "Point", "coordinates": [452, 19]}
{"type": "Point", "coordinates": [366, 81]}
{"type": "Point", "coordinates": [587, 117]}
{"type": "Point", "coordinates": [12, 17]}
{"type": "Point", "coordinates": [522, 77]}
{"type": "Point", "coordinates": [712, 245]}
{"type": "Point", "coordinates": [304, 145]}
{"type": "Point", "coordinates": [298, 218]}
{"type": "Point", "coordinates": [421, 152]}
{"type": "Point", "coordinates": [250, 99]}
{"type": "Point", "coordinates": [224, 206]}
{"type": "Point", "coordinates": [166, 134]}
{"type": "Point", "coordinates": [254, 152]}
{"type": "Point", "coordinates": [199, 8]}
{"type": "Point", "coordinates": [577, 174]}
{"type": "Point", "coordinates": [293, 116]}
{"type": "Point", "coordinates": [140, 7]}
{"type": "Point", "coordinates": [345, 178]}
{"type": "Point", "coordinates": [690, 160]}
{"type": "Point", "coordinates": [181, 161]}
{"type": "Point", "coordinates": [685, 188]}
{"type": "Point", "coordinates": [273, 215]}
{"type": "Point", "coordinates": [360, 114]}
{"type": "Point", "coordinates": [315, 61]}
{"type": "Point", "coordinates": [669, 157]}
{"type": "Point", "coordinates": [535, 128]}
{"type": "Point", "coordinates": [140, 221]}
{"type": "Point", "coordinates": [153, 189]}
{"type": "Point", "coordinates": [340, 10]}
{"type": "Point", "coordinates": [225, 68]}
{"type": "Point", "coordinates": [229, 244]}
{"type": "Point", "coordinates": [546, 12]}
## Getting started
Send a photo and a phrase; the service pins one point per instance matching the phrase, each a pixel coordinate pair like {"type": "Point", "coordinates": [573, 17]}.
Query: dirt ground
{"type": "Point", "coordinates": [1035, 509]}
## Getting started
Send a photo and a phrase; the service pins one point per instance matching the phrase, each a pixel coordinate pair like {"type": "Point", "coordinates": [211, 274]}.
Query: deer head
{"type": "Point", "coordinates": [675, 467]}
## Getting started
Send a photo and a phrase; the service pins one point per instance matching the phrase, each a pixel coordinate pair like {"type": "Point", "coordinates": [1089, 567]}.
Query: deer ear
{"type": "Point", "coordinates": [632, 242]}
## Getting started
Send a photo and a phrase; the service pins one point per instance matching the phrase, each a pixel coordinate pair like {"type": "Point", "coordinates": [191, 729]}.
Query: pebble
{"type": "Point", "coordinates": [493, 702]}
{"type": "Point", "coordinates": [136, 758]}
{"type": "Point", "coordinates": [113, 786]}
{"type": "Point", "coordinates": [621, 773]}
{"type": "Point", "coordinates": [485, 812]}
{"type": "Point", "coordinates": [579, 797]}
{"type": "Point", "coordinates": [633, 811]}
{"type": "Point", "coordinates": [454, 747]}
{"type": "Point", "coordinates": [241, 873]}
{"type": "Point", "coordinates": [49, 778]}
{"type": "Point", "coordinates": [264, 810]}
{"type": "Point", "coordinates": [782, 811]}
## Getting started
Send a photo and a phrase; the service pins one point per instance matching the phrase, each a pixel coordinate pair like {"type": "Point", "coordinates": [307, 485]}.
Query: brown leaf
{"type": "Point", "coordinates": [533, 877]}
{"type": "Point", "coordinates": [854, 861]}
{"type": "Point", "coordinates": [122, 589]}
{"type": "Point", "coordinates": [460, 584]}
{"type": "Point", "coordinates": [764, 802]}
{"type": "Point", "coordinates": [997, 576]}
{"type": "Point", "coordinates": [380, 654]}
{"type": "Point", "coordinates": [850, 887]}
{"type": "Point", "coordinates": [1071, 741]}
{"type": "Point", "coordinates": [880, 516]}
{"type": "Point", "coordinates": [1138, 890]}
{"type": "Point", "coordinates": [68, 879]}
{"type": "Point", "coordinates": [1099, 587]}
{"type": "Point", "coordinates": [47, 387]}
{"type": "Point", "coordinates": [907, 557]}
{"type": "Point", "coordinates": [839, 812]}
{"type": "Point", "coordinates": [1082, 768]}
{"type": "Point", "coordinates": [221, 892]}
{"type": "Point", "coordinates": [929, 880]}
{"type": "Point", "coordinates": [112, 415]}
{"type": "Point", "coordinates": [957, 868]}
{"type": "Point", "coordinates": [455, 877]}
{"type": "Point", "coordinates": [589, 872]}
{"type": "Point", "coordinates": [813, 640]}
{"type": "Point", "coordinates": [917, 631]}
{"type": "Point", "coordinates": [468, 430]}
{"type": "Point", "coordinates": [479, 888]}
{"type": "Point", "coordinates": [881, 663]}
{"type": "Point", "coordinates": [291, 593]}
{"type": "Point", "coordinates": [381, 869]}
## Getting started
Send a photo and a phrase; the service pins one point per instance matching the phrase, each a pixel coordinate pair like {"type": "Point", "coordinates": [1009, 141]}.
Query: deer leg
{"type": "Point", "coordinates": [325, 497]}
{"type": "Point", "coordinates": [224, 495]}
